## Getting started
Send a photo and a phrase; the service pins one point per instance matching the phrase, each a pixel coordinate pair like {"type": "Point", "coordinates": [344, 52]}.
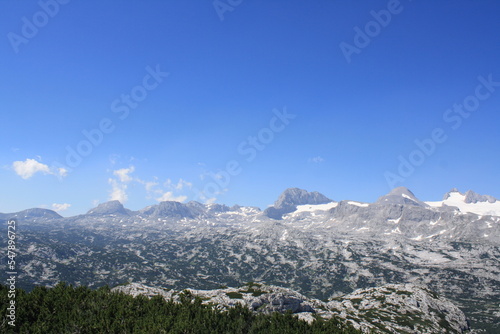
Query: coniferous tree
{"type": "Point", "coordinates": [67, 309]}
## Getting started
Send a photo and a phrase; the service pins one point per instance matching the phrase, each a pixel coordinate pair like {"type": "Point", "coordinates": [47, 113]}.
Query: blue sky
{"type": "Point", "coordinates": [237, 101]}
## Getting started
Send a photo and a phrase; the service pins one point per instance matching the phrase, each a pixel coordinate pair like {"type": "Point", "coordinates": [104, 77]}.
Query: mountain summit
{"type": "Point", "coordinates": [296, 196]}
{"type": "Point", "coordinates": [33, 213]}
{"type": "Point", "coordinates": [469, 202]}
{"type": "Point", "coordinates": [400, 195]}
{"type": "Point", "coordinates": [168, 209]}
{"type": "Point", "coordinates": [109, 208]}
{"type": "Point", "coordinates": [290, 198]}
{"type": "Point", "coordinates": [472, 197]}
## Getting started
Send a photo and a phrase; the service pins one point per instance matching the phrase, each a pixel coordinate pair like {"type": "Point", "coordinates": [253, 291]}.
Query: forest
{"type": "Point", "coordinates": [67, 309]}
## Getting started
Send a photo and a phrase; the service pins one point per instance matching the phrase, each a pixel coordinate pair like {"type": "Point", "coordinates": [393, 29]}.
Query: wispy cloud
{"type": "Point", "coordinates": [119, 184]}
{"type": "Point", "coordinates": [180, 185]}
{"type": "Point", "coordinates": [150, 185]}
{"type": "Point", "coordinates": [113, 158]}
{"type": "Point", "coordinates": [124, 174]}
{"type": "Point", "coordinates": [169, 196]}
{"type": "Point", "coordinates": [171, 188]}
{"type": "Point", "coordinates": [26, 169]}
{"type": "Point", "coordinates": [317, 160]}
{"type": "Point", "coordinates": [168, 191]}
{"type": "Point", "coordinates": [118, 191]}
{"type": "Point", "coordinates": [60, 207]}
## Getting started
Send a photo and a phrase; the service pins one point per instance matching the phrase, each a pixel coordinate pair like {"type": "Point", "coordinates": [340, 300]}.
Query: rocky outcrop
{"type": "Point", "coordinates": [472, 197]}
{"type": "Point", "coordinates": [400, 308]}
{"type": "Point", "coordinates": [392, 308]}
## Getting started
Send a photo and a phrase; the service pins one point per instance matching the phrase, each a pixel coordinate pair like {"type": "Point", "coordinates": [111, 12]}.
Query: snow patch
{"type": "Point", "coordinates": [395, 221]}
{"type": "Point", "coordinates": [316, 207]}
{"type": "Point", "coordinates": [396, 231]}
{"type": "Point", "coordinates": [406, 196]}
{"type": "Point", "coordinates": [458, 200]}
{"type": "Point", "coordinates": [432, 223]}
{"type": "Point", "coordinates": [364, 205]}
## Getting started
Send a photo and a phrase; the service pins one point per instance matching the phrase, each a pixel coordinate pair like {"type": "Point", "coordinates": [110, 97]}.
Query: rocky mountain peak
{"type": "Point", "coordinates": [400, 195]}
{"type": "Point", "coordinates": [290, 198]}
{"type": "Point", "coordinates": [217, 208]}
{"type": "Point", "coordinates": [109, 208]}
{"type": "Point", "coordinates": [448, 194]}
{"type": "Point", "coordinates": [37, 213]}
{"type": "Point", "coordinates": [296, 196]}
{"type": "Point", "coordinates": [472, 197]}
{"type": "Point", "coordinates": [402, 191]}
{"type": "Point", "coordinates": [168, 209]}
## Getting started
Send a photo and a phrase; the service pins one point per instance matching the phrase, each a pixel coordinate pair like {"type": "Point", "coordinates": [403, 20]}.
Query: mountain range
{"type": "Point", "coordinates": [288, 201]}
{"type": "Point", "coordinates": [307, 242]}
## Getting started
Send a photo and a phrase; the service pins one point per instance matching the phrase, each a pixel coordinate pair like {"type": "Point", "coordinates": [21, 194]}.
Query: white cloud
{"type": "Point", "coordinates": [149, 186]}
{"type": "Point", "coordinates": [181, 184]}
{"type": "Point", "coordinates": [60, 207]}
{"type": "Point", "coordinates": [30, 167]}
{"type": "Point", "coordinates": [168, 191]}
{"type": "Point", "coordinates": [118, 191]}
{"type": "Point", "coordinates": [119, 186]}
{"type": "Point", "coordinates": [316, 160]}
{"type": "Point", "coordinates": [171, 188]}
{"type": "Point", "coordinates": [169, 196]}
{"type": "Point", "coordinates": [209, 197]}
{"type": "Point", "coordinates": [26, 169]}
{"type": "Point", "coordinates": [123, 174]}
{"type": "Point", "coordinates": [62, 172]}
{"type": "Point", "coordinates": [210, 200]}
